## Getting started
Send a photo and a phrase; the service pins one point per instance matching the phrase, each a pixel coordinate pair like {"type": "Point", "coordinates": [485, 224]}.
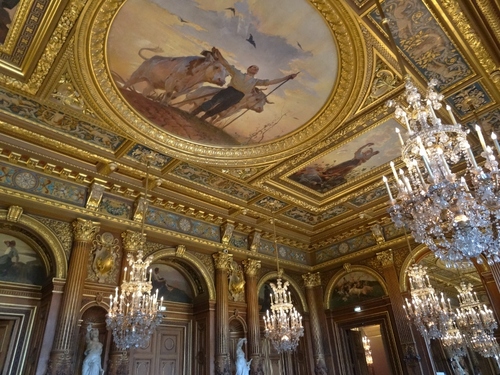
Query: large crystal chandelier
{"type": "Point", "coordinates": [453, 339]}
{"type": "Point", "coordinates": [477, 323]}
{"type": "Point", "coordinates": [458, 218]}
{"type": "Point", "coordinates": [282, 323]}
{"type": "Point", "coordinates": [429, 313]}
{"type": "Point", "coordinates": [135, 312]}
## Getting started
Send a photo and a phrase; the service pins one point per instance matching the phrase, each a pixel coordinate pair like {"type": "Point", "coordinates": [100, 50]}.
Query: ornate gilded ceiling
{"type": "Point", "coordinates": [75, 131]}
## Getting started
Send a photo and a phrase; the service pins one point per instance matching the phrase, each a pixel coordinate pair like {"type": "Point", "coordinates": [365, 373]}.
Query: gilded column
{"type": "Point", "coordinates": [411, 359]}
{"type": "Point", "coordinates": [131, 242]}
{"type": "Point", "coordinates": [222, 263]}
{"type": "Point", "coordinates": [312, 283]}
{"type": "Point", "coordinates": [62, 356]}
{"type": "Point", "coordinates": [251, 267]}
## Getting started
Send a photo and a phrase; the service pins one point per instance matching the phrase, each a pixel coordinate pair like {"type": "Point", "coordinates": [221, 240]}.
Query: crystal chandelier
{"type": "Point", "coordinates": [368, 352]}
{"type": "Point", "coordinates": [429, 313]}
{"type": "Point", "coordinates": [135, 312]}
{"type": "Point", "coordinates": [453, 339]}
{"type": "Point", "coordinates": [477, 323]}
{"type": "Point", "coordinates": [457, 218]}
{"type": "Point", "coordinates": [283, 324]}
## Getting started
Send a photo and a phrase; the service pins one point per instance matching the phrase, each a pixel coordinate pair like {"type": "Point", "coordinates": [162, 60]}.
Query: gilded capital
{"type": "Point", "coordinates": [223, 260]}
{"type": "Point", "coordinates": [251, 266]}
{"type": "Point", "coordinates": [14, 213]}
{"type": "Point", "coordinates": [312, 279]}
{"type": "Point", "coordinates": [133, 241]}
{"type": "Point", "coordinates": [85, 230]}
{"type": "Point", "coordinates": [180, 250]}
{"type": "Point", "coordinates": [385, 258]}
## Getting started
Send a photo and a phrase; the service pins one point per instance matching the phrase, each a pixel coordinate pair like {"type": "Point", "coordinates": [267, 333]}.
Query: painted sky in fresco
{"type": "Point", "coordinates": [185, 28]}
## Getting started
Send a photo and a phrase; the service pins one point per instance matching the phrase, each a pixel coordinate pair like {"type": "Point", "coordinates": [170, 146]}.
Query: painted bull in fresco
{"type": "Point", "coordinates": [254, 101]}
{"type": "Point", "coordinates": [177, 75]}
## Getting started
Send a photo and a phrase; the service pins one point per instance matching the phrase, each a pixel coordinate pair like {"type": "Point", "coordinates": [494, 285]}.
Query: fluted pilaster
{"type": "Point", "coordinates": [222, 264]}
{"type": "Point", "coordinates": [61, 358]}
{"type": "Point", "coordinates": [251, 266]}
{"type": "Point", "coordinates": [312, 283]}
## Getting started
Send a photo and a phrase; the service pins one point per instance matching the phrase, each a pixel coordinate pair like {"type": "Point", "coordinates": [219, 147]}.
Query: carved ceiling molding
{"type": "Point", "coordinates": [472, 39]}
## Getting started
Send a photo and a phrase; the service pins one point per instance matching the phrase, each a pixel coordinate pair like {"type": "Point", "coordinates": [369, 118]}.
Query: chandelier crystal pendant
{"type": "Point", "coordinates": [457, 218]}
{"type": "Point", "coordinates": [135, 311]}
{"type": "Point", "coordinates": [429, 313]}
{"type": "Point", "coordinates": [282, 323]}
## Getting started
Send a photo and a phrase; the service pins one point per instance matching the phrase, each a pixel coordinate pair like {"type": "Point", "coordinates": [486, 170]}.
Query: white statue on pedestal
{"type": "Point", "coordinates": [242, 366]}
{"type": "Point", "coordinates": [92, 362]}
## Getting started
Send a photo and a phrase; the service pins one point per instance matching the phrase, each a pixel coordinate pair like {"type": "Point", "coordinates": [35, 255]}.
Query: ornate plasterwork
{"type": "Point", "coordinates": [95, 25]}
{"type": "Point", "coordinates": [85, 230]}
{"type": "Point", "coordinates": [52, 49]}
{"type": "Point", "coordinates": [312, 279]}
{"type": "Point", "coordinates": [251, 266]}
{"type": "Point", "coordinates": [472, 39]}
{"type": "Point", "coordinates": [105, 251]}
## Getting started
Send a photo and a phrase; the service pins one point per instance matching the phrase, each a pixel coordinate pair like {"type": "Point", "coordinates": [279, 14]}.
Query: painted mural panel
{"type": "Point", "coordinates": [169, 57]}
{"type": "Point", "coordinates": [171, 284]}
{"type": "Point", "coordinates": [355, 287]}
{"type": "Point", "coordinates": [370, 150]}
{"type": "Point", "coordinates": [19, 263]}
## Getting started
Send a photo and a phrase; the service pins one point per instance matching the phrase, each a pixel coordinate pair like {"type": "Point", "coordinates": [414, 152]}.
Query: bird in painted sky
{"type": "Point", "coordinates": [251, 41]}
{"type": "Point", "coordinates": [182, 20]}
{"type": "Point", "coordinates": [299, 45]}
{"type": "Point", "coordinates": [232, 10]}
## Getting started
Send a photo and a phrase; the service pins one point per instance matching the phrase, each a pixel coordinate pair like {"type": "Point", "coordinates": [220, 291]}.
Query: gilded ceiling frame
{"type": "Point", "coordinates": [90, 47]}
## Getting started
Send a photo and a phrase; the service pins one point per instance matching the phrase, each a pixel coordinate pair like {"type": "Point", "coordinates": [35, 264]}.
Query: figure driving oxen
{"type": "Point", "coordinates": [255, 101]}
{"type": "Point", "coordinates": [177, 75]}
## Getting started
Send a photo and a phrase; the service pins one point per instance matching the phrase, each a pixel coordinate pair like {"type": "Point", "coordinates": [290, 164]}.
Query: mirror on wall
{"type": "Point", "coordinates": [367, 351]}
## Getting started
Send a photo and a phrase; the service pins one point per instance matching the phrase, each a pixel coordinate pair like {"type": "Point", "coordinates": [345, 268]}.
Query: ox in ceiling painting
{"type": "Point", "coordinates": [222, 72]}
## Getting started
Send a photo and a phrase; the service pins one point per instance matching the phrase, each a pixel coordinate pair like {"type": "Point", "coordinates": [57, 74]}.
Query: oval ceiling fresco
{"type": "Point", "coordinates": [222, 82]}
{"type": "Point", "coordinates": [169, 57]}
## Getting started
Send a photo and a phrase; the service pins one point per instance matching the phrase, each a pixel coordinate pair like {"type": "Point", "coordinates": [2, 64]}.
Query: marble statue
{"type": "Point", "coordinates": [92, 362]}
{"type": "Point", "coordinates": [242, 366]}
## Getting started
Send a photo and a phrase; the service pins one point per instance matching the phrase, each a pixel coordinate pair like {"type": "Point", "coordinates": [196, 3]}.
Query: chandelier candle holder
{"type": "Point", "coordinates": [456, 217]}
{"type": "Point", "coordinates": [282, 323]}
{"type": "Point", "coordinates": [135, 312]}
{"type": "Point", "coordinates": [429, 313]}
{"type": "Point", "coordinates": [477, 323]}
